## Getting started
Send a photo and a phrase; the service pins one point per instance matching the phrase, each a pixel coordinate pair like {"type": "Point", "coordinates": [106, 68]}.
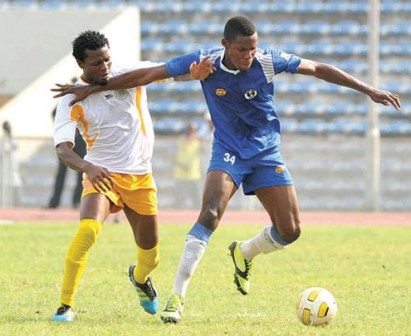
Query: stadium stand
{"type": "Point", "coordinates": [326, 116]}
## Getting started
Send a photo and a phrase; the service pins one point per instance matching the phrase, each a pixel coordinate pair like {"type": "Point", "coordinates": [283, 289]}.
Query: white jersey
{"type": "Point", "coordinates": [116, 126]}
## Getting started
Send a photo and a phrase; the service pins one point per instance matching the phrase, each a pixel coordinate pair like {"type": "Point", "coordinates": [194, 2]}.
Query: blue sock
{"type": "Point", "coordinates": [200, 232]}
{"type": "Point", "coordinates": [276, 236]}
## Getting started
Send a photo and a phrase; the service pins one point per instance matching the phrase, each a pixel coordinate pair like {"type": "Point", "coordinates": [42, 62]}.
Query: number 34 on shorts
{"type": "Point", "coordinates": [229, 158]}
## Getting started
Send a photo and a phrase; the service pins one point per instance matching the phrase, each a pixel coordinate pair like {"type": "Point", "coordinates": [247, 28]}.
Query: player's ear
{"type": "Point", "coordinates": [225, 42]}
{"type": "Point", "coordinates": [80, 63]}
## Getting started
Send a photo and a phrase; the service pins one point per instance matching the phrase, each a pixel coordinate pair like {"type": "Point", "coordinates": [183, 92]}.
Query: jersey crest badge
{"type": "Point", "coordinates": [250, 94]}
{"type": "Point", "coordinates": [279, 169]}
{"type": "Point", "coordinates": [220, 92]}
{"type": "Point", "coordinates": [121, 94]}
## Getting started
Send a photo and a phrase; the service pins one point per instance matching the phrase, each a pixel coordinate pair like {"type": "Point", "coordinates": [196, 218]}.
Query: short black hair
{"type": "Point", "coordinates": [89, 39]}
{"type": "Point", "coordinates": [238, 25]}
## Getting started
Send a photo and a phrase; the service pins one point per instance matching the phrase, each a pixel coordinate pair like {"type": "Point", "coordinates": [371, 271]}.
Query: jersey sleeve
{"type": "Point", "coordinates": [285, 62]}
{"type": "Point", "coordinates": [181, 65]}
{"type": "Point", "coordinates": [64, 126]}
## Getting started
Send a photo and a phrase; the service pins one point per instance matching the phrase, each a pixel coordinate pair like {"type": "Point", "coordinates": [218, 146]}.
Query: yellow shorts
{"type": "Point", "coordinates": [138, 192]}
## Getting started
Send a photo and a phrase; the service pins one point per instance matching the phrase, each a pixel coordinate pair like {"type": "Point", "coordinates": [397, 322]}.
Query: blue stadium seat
{"type": "Point", "coordinates": [395, 7]}
{"type": "Point", "coordinates": [348, 27]}
{"type": "Point", "coordinates": [397, 49]}
{"type": "Point", "coordinates": [82, 4]}
{"type": "Point", "coordinates": [149, 27]}
{"type": "Point", "coordinates": [315, 126]}
{"type": "Point", "coordinates": [289, 125]}
{"type": "Point", "coordinates": [172, 106]}
{"type": "Point", "coordinates": [400, 88]}
{"type": "Point", "coordinates": [111, 4]}
{"type": "Point", "coordinates": [173, 27]}
{"type": "Point", "coordinates": [284, 27]}
{"type": "Point", "coordinates": [395, 68]}
{"type": "Point", "coordinates": [316, 27]}
{"type": "Point", "coordinates": [152, 44]}
{"type": "Point", "coordinates": [345, 7]}
{"type": "Point", "coordinates": [193, 106]}
{"type": "Point", "coordinates": [350, 127]}
{"type": "Point", "coordinates": [354, 66]}
{"type": "Point", "coordinates": [397, 29]}
{"type": "Point", "coordinates": [390, 111]}
{"type": "Point", "coordinates": [169, 126]}
{"type": "Point", "coordinates": [396, 127]}
{"type": "Point", "coordinates": [204, 27]}
{"type": "Point", "coordinates": [25, 4]}
{"type": "Point", "coordinates": [158, 106]}
{"type": "Point", "coordinates": [181, 87]}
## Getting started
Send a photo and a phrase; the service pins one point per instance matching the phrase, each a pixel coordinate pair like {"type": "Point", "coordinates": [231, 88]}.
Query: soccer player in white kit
{"type": "Point", "coordinates": [118, 130]}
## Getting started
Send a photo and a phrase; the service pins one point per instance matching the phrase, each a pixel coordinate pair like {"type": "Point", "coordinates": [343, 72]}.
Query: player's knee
{"type": "Point", "coordinates": [88, 232]}
{"type": "Point", "coordinates": [292, 233]}
{"type": "Point", "coordinates": [210, 217]}
{"type": "Point", "coordinates": [84, 239]}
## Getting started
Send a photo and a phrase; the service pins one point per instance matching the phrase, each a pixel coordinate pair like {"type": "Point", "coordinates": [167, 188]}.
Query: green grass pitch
{"type": "Point", "coordinates": [367, 269]}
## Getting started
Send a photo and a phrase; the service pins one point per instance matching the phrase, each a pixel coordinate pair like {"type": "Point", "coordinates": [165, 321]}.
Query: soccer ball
{"type": "Point", "coordinates": [316, 307]}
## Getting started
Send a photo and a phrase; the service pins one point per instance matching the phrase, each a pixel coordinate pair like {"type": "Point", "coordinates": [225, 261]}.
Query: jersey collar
{"type": "Point", "coordinates": [223, 67]}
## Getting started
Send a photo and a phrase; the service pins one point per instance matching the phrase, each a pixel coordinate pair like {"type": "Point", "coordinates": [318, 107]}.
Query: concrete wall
{"type": "Point", "coordinates": [30, 110]}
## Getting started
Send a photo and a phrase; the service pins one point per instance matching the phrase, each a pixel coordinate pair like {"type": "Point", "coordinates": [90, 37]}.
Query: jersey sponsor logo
{"type": "Point", "coordinates": [121, 94]}
{"type": "Point", "coordinates": [250, 94]}
{"type": "Point", "coordinates": [279, 169]}
{"type": "Point", "coordinates": [220, 92]}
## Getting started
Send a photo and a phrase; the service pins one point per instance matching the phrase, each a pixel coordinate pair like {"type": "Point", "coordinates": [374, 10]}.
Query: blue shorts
{"type": "Point", "coordinates": [266, 169]}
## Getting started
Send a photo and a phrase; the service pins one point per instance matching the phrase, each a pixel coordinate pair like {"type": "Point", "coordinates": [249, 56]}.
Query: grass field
{"type": "Point", "coordinates": [367, 269]}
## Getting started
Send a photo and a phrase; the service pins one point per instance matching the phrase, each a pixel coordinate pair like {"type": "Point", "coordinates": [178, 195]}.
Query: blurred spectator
{"type": "Point", "coordinates": [10, 176]}
{"type": "Point", "coordinates": [81, 149]}
{"type": "Point", "coordinates": [187, 171]}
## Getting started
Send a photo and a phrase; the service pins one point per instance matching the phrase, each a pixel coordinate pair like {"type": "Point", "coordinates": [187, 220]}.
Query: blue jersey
{"type": "Point", "coordinates": [241, 104]}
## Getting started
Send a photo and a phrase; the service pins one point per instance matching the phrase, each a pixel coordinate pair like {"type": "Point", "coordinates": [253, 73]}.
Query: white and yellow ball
{"type": "Point", "coordinates": [316, 306]}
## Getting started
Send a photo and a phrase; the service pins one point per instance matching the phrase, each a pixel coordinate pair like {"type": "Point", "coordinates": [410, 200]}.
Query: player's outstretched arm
{"type": "Point", "coordinates": [80, 92]}
{"type": "Point", "coordinates": [337, 76]}
{"type": "Point", "coordinates": [127, 80]}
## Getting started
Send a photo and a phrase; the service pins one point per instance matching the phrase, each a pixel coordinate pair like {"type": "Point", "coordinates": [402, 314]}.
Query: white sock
{"type": "Point", "coordinates": [193, 252]}
{"type": "Point", "coordinates": [264, 242]}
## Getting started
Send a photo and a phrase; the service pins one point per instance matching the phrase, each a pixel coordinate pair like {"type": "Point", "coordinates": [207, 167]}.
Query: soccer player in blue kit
{"type": "Point", "coordinates": [239, 93]}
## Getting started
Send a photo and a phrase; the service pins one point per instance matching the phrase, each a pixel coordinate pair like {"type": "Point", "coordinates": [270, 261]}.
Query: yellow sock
{"type": "Point", "coordinates": [76, 258]}
{"type": "Point", "coordinates": [147, 260]}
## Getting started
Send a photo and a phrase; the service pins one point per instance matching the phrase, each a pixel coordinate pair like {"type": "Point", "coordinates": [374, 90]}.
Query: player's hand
{"type": "Point", "coordinates": [202, 70]}
{"type": "Point", "coordinates": [99, 177]}
{"type": "Point", "coordinates": [386, 98]}
{"type": "Point", "coordinates": [80, 92]}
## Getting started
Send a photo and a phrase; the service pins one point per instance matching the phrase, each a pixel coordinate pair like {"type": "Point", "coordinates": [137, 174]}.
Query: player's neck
{"type": "Point", "coordinates": [228, 64]}
{"type": "Point", "coordinates": [84, 79]}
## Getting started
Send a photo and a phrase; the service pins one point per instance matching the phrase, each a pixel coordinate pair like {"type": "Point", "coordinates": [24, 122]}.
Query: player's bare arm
{"type": "Point", "coordinates": [337, 76]}
{"type": "Point", "coordinates": [99, 177]}
{"type": "Point", "coordinates": [134, 78]}
{"type": "Point", "coordinates": [127, 80]}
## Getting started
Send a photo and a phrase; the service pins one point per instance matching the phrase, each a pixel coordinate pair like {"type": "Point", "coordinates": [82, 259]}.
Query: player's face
{"type": "Point", "coordinates": [96, 66]}
{"type": "Point", "coordinates": [239, 54]}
